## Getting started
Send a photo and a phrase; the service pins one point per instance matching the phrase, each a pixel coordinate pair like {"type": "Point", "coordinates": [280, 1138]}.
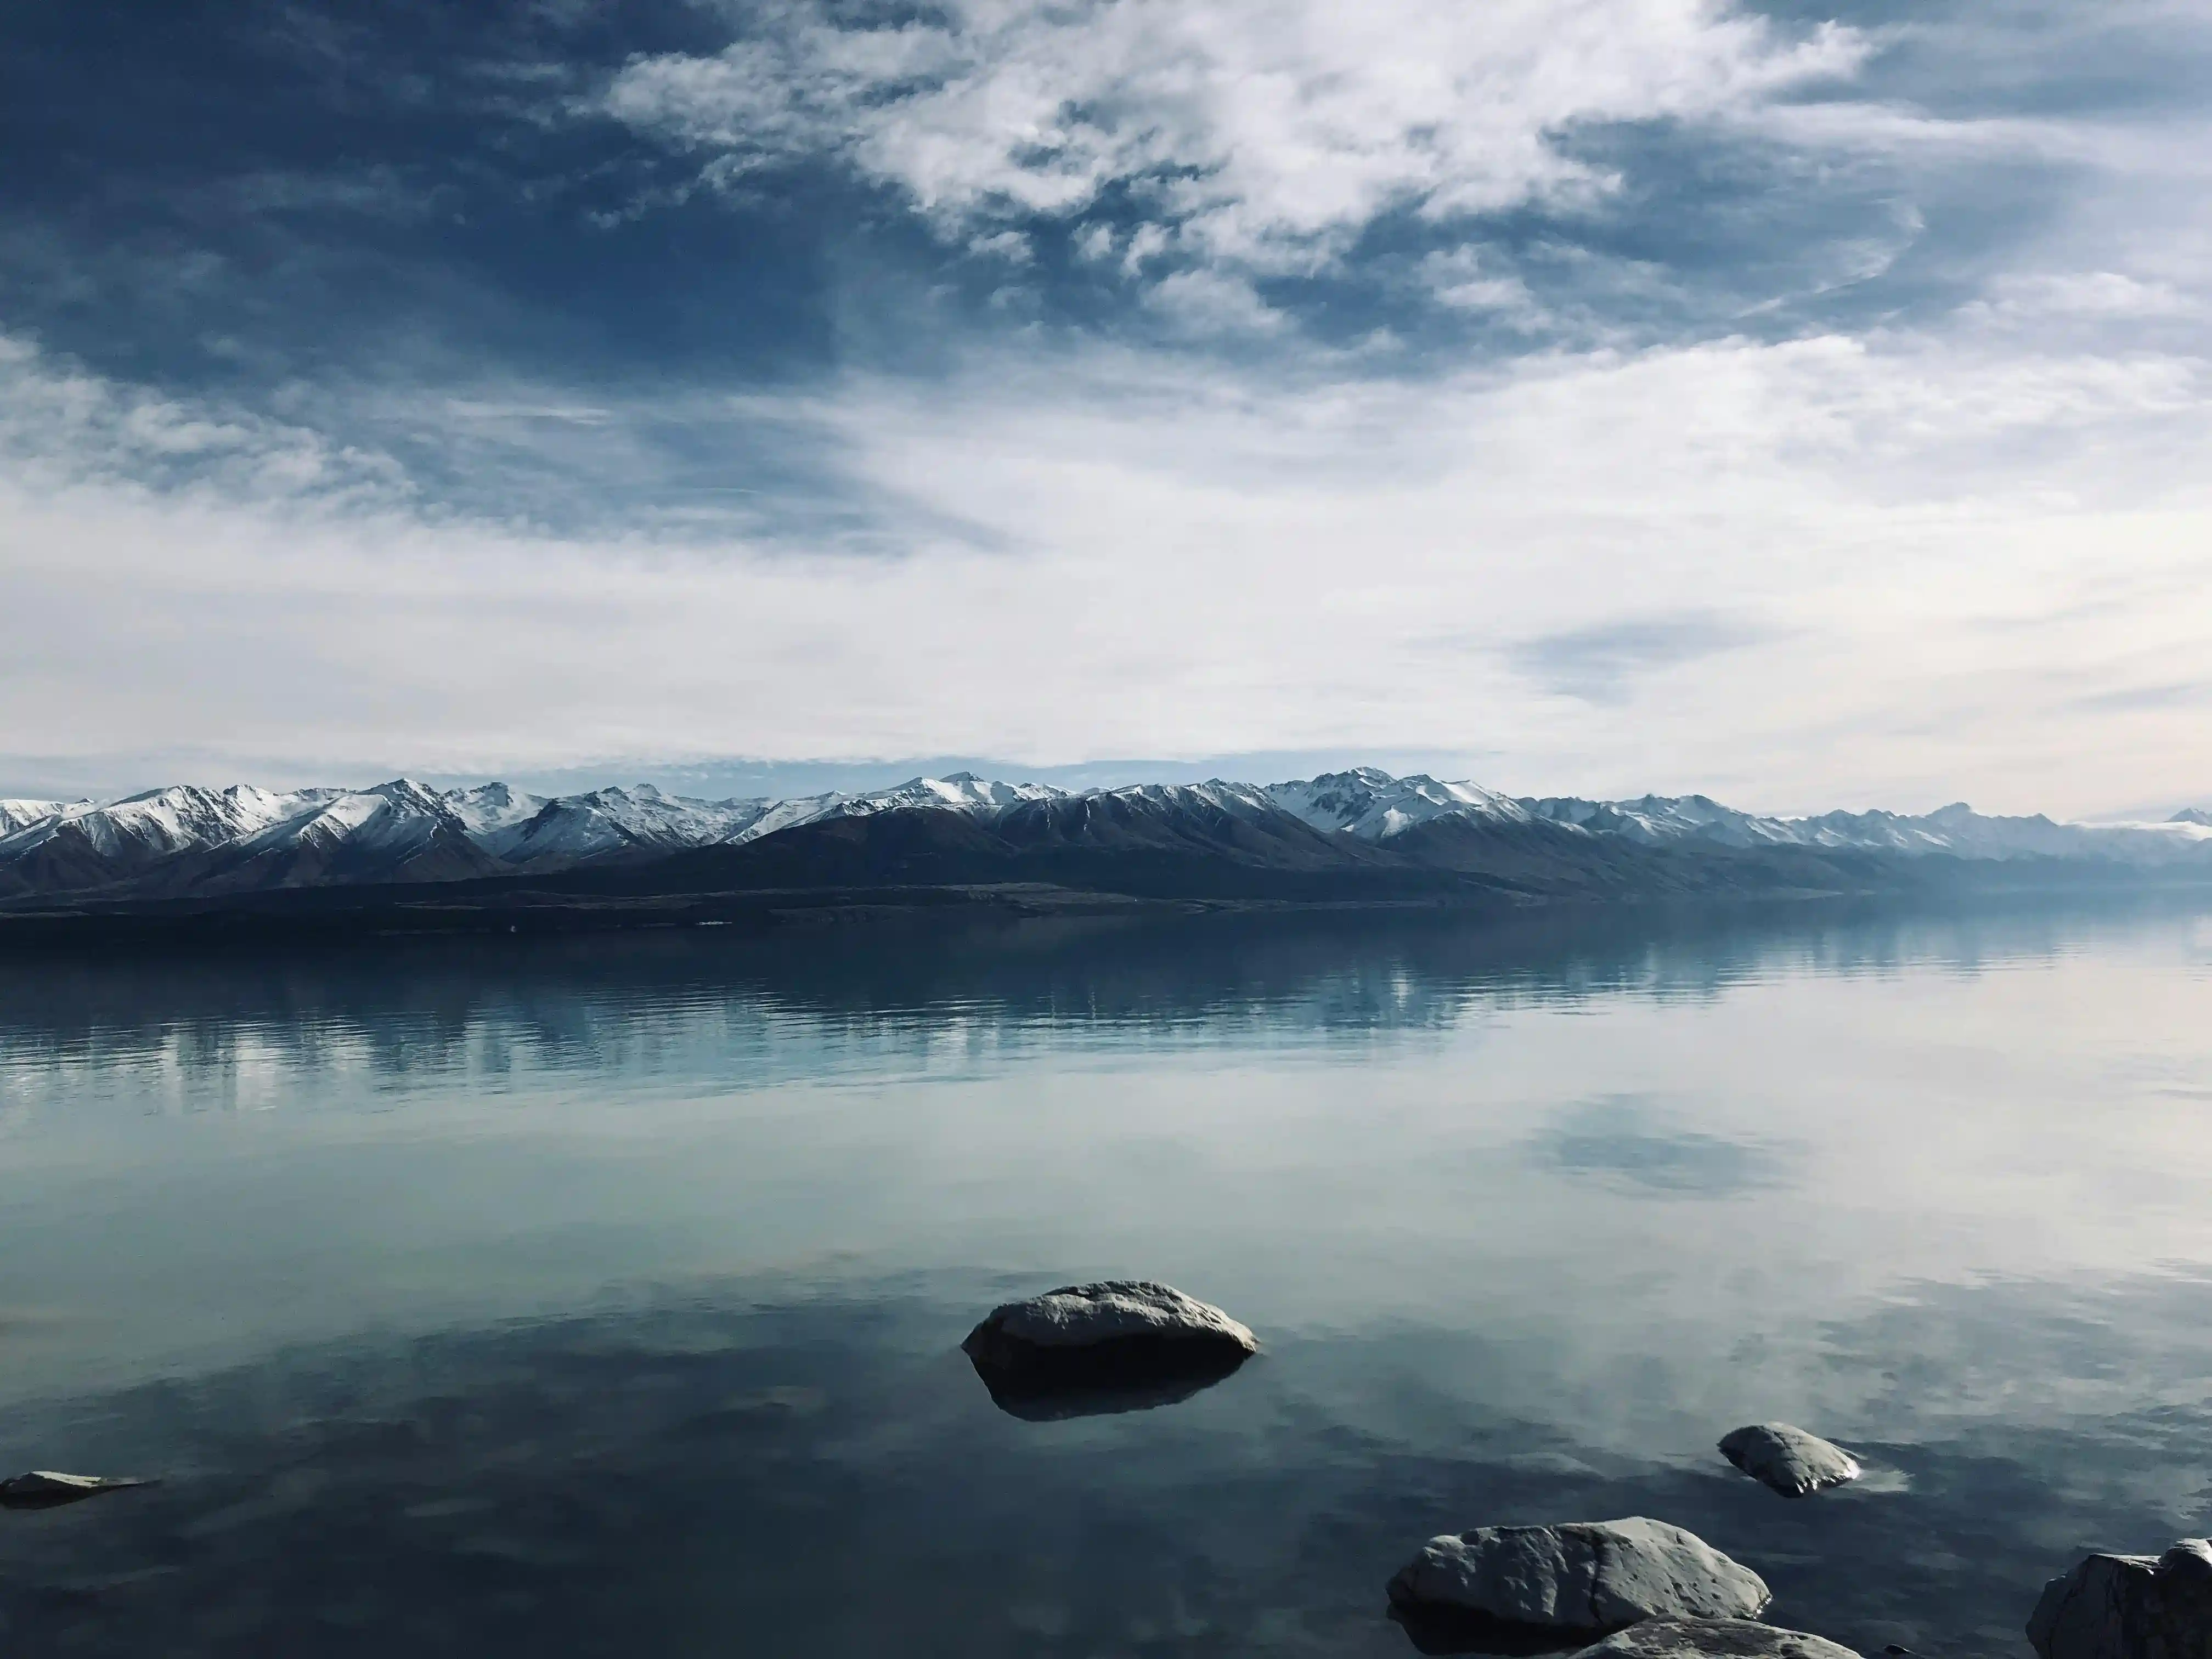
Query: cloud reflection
{"type": "Point", "coordinates": [1627, 1141]}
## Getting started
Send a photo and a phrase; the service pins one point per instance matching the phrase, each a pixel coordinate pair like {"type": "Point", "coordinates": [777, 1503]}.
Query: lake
{"type": "Point", "coordinates": [603, 1296]}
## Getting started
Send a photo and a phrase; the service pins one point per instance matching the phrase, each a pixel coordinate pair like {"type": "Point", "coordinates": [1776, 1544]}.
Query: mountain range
{"type": "Point", "coordinates": [1356, 835]}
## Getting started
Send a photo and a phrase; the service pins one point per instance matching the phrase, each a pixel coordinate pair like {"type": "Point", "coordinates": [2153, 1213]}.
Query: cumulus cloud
{"type": "Point", "coordinates": [1462, 278]}
{"type": "Point", "coordinates": [1265, 134]}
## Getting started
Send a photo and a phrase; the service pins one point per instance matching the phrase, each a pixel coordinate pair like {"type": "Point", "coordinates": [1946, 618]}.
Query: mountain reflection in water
{"type": "Point", "coordinates": [607, 1298]}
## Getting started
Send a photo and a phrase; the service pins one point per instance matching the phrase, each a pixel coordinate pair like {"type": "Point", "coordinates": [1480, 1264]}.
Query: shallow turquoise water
{"type": "Point", "coordinates": [606, 1298]}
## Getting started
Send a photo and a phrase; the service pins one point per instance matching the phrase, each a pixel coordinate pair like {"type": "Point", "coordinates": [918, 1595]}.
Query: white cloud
{"type": "Point", "coordinates": [1010, 246]}
{"type": "Point", "coordinates": [1461, 278]}
{"type": "Point", "coordinates": [1936, 561]}
{"type": "Point", "coordinates": [1264, 134]}
{"type": "Point", "coordinates": [2097, 296]}
{"type": "Point", "coordinates": [1210, 303]}
{"type": "Point", "coordinates": [1096, 242]}
{"type": "Point", "coordinates": [60, 424]}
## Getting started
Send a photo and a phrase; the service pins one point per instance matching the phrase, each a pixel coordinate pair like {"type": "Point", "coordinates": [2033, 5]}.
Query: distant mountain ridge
{"type": "Point", "coordinates": [189, 842]}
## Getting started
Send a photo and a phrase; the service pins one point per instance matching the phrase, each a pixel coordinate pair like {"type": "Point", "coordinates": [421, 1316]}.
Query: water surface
{"type": "Point", "coordinates": [604, 1296]}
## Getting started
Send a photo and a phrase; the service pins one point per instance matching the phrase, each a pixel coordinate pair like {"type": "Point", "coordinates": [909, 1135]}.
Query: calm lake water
{"type": "Point", "coordinates": [604, 1296]}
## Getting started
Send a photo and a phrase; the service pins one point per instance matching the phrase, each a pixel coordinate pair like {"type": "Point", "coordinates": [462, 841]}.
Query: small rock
{"type": "Point", "coordinates": [1119, 1346]}
{"type": "Point", "coordinates": [1693, 1638]}
{"type": "Point", "coordinates": [1592, 1576]}
{"type": "Point", "coordinates": [2129, 1607]}
{"type": "Point", "coordinates": [46, 1489]}
{"type": "Point", "coordinates": [1790, 1461]}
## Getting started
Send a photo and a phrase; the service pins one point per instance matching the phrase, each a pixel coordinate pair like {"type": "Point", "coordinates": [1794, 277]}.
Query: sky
{"type": "Point", "coordinates": [1806, 404]}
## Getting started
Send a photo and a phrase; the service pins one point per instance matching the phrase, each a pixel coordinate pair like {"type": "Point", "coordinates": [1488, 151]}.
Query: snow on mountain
{"type": "Point", "coordinates": [613, 823]}
{"type": "Point", "coordinates": [962, 791]}
{"type": "Point", "coordinates": [1653, 819]}
{"type": "Point", "coordinates": [82, 844]}
{"type": "Point", "coordinates": [23, 814]}
{"type": "Point", "coordinates": [1245, 801]}
{"type": "Point", "coordinates": [1374, 806]}
{"type": "Point", "coordinates": [491, 807]}
{"type": "Point", "coordinates": [184, 841]}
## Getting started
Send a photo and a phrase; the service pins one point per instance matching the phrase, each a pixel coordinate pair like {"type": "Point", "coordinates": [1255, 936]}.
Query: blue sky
{"type": "Point", "coordinates": [1805, 404]}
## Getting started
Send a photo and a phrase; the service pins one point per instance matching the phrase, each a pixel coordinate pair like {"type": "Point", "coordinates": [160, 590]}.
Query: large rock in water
{"type": "Point", "coordinates": [46, 1489]}
{"type": "Point", "coordinates": [1694, 1639]}
{"type": "Point", "coordinates": [2129, 1607]}
{"type": "Point", "coordinates": [1584, 1576]}
{"type": "Point", "coordinates": [1793, 1462]}
{"type": "Point", "coordinates": [1118, 1345]}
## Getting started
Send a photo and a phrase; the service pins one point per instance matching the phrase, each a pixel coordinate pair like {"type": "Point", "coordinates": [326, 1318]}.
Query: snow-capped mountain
{"type": "Point", "coordinates": [21, 814]}
{"type": "Point", "coordinates": [1372, 804]}
{"type": "Point", "coordinates": [531, 832]}
{"type": "Point", "coordinates": [187, 842]}
{"type": "Point", "coordinates": [1957, 830]}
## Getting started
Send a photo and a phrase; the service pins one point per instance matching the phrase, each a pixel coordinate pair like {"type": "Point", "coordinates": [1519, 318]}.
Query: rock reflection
{"type": "Point", "coordinates": [1123, 1378]}
{"type": "Point", "coordinates": [1456, 1630]}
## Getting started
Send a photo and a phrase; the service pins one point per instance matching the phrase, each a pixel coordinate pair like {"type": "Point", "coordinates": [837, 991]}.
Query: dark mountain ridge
{"type": "Point", "coordinates": [402, 860]}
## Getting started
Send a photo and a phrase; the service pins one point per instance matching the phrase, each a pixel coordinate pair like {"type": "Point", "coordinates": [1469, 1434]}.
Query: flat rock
{"type": "Point", "coordinates": [1592, 1576]}
{"type": "Point", "coordinates": [1786, 1458]}
{"type": "Point", "coordinates": [2129, 1607]}
{"type": "Point", "coordinates": [46, 1489]}
{"type": "Point", "coordinates": [1692, 1639]}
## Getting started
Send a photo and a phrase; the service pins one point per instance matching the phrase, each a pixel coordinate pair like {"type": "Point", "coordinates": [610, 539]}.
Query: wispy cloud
{"type": "Point", "coordinates": [1603, 662]}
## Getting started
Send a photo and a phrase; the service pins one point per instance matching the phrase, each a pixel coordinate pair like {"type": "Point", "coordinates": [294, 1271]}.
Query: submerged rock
{"type": "Point", "coordinates": [1122, 1344]}
{"type": "Point", "coordinates": [1583, 1576]}
{"type": "Point", "coordinates": [2129, 1607]}
{"type": "Point", "coordinates": [46, 1489]}
{"type": "Point", "coordinates": [1786, 1458]}
{"type": "Point", "coordinates": [1731, 1639]}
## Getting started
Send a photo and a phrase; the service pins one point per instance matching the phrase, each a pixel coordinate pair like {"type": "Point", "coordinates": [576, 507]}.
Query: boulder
{"type": "Point", "coordinates": [1583, 1576]}
{"type": "Point", "coordinates": [2129, 1607]}
{"type": "Point", "coordinates": [1118, 1326]}
{"type": "Point", "coordinates": [1115, 1311]}
{"type": "Point", "coordinates": [1694, 1639]}
{"type": "Point", "coordinates": [1790, 1461]}
{"type": "Point", "coordinates": [1122, 1344]}
{"type": "Point", "coordinates": [46, 1489]}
